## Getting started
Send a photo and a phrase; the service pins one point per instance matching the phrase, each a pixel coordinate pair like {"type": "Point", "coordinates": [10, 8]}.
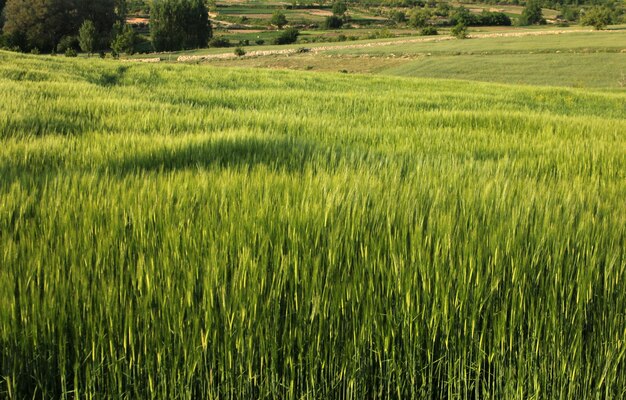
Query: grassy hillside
{"type": "Point", "coordinates": [181, 231]}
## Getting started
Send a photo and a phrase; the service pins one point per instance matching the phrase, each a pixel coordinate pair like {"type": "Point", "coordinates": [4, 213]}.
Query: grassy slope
{"type": "Point", "coordinates": [193, 232]}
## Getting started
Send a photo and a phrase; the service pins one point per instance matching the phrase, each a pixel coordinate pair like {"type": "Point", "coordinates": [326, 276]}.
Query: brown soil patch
{"type": "Point", "coordinates": [134, 21]}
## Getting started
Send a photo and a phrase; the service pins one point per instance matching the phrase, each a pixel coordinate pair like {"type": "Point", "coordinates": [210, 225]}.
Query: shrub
{"type": "Point", "coordinates": [70, 52]}
{"type": "Point", "coordinates": [419, 18]}
{"type": "Point", "coordinates": [429, 31]}
{"type": "Point", "coordinates": [219, 42]}
{"type": "Point", "coordinates": [598, 17]}
{"type": "Point", "coordinates": [67, 42]}
{"type": "Point", "coordinates": [260, 42]}
{"type": "Point", "coordinates": [398, 17]}
{"type": "Point", "coordinates": [333, 22]}
{"type": "Point", "coordinates": [459, 31]}
{"type": "Point", "coordinates": [287, 37]}
{"type": "Point", "coordinates": [239, 52]}
{"type": "Point", "coordinates": [463, 16]}
{"type": "Point", "coordinates": [278, 19]}
{"type": "Point", "coordinates": [487, 18]}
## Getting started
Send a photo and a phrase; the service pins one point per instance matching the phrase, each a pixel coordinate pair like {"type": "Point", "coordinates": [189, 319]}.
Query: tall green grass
{"type": "Point", "coordinates": [182, 232]}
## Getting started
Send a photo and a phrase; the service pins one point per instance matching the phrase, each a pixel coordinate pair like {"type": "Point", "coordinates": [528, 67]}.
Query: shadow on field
{"type": "Point", "coordinates": [291, 155]}
{"type": "Point", "coordinates": [287, 154]}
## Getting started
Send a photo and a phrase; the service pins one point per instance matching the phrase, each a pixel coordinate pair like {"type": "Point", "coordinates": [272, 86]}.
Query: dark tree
{"type": "Point", "coordinates": [121, 10]}
{"type": "Point", "coordinates": [2, 2]}
{"type": "Point", "coordinates": [179, 24]}
{"type": "Point", "coordinates": [41, 24]}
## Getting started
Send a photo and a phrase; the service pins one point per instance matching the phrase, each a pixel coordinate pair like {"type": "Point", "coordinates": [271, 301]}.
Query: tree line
{"type": "Point", "coordinates": [63, 25]}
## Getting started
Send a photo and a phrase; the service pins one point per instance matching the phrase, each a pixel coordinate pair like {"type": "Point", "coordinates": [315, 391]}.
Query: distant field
{"type": "Point", "coordinates": [190, 232]}
{"type": "Point", "coordinates": [603, 70]}
{"type": "Point", "coordinates": [583, 59]}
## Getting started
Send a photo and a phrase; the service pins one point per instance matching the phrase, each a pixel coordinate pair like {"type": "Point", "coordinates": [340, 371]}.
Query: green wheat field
{"type": "Point", "coordinates": [193, 232]}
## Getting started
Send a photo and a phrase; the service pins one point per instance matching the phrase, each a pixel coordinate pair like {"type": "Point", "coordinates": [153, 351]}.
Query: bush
{"type": "Point", "coordinates": [598, 17]}
{"type": "Point", "coordinates": [244, 42]}
{"type": "Point", "coordinates": [333, 22]}
{"type": "Point", "coordinates": [464, 17]}
{"type": "Point", "coordinates": [70, 52]}
{"type": "Point", "coordinates": [66, 43]}
{"type": "Point", "coordinates": [287, 37]}
{"type": "Point", "coordinates": [219, 42]}
{"type": "Point", "coordinates": [569, 13]}
{"type": "Point", "coordinates": [487, 18]}
{"type": "Point", "coordinates": [260, 42]}
{"type": "Point", "coordinates": [419, 18]}
{"type": "Point", "coordinates": [278, 19]}
{"type": "Point", "coordinates": [459, 31]}
{"type": "Point", "coordinates": [398, 17]}
{"type": "Point", "coordinates": [429, 31]}
{"type": "Point", "coordinates": [239, 52]}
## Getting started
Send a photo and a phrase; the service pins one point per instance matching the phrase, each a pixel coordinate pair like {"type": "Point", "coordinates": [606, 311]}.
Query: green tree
{"type": "Point", "coordinates": [532, 14]}
{"type": "Point", "coordinates": [87, 37]}
{"type": "Point", "coordinates": [278, 19]}
{"type": "Point", "coordinates": [124, 41]}
{"type": "Point", "coordinates": [179, 24]}
{"type": "Point", "coordinates": [598, 17]}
